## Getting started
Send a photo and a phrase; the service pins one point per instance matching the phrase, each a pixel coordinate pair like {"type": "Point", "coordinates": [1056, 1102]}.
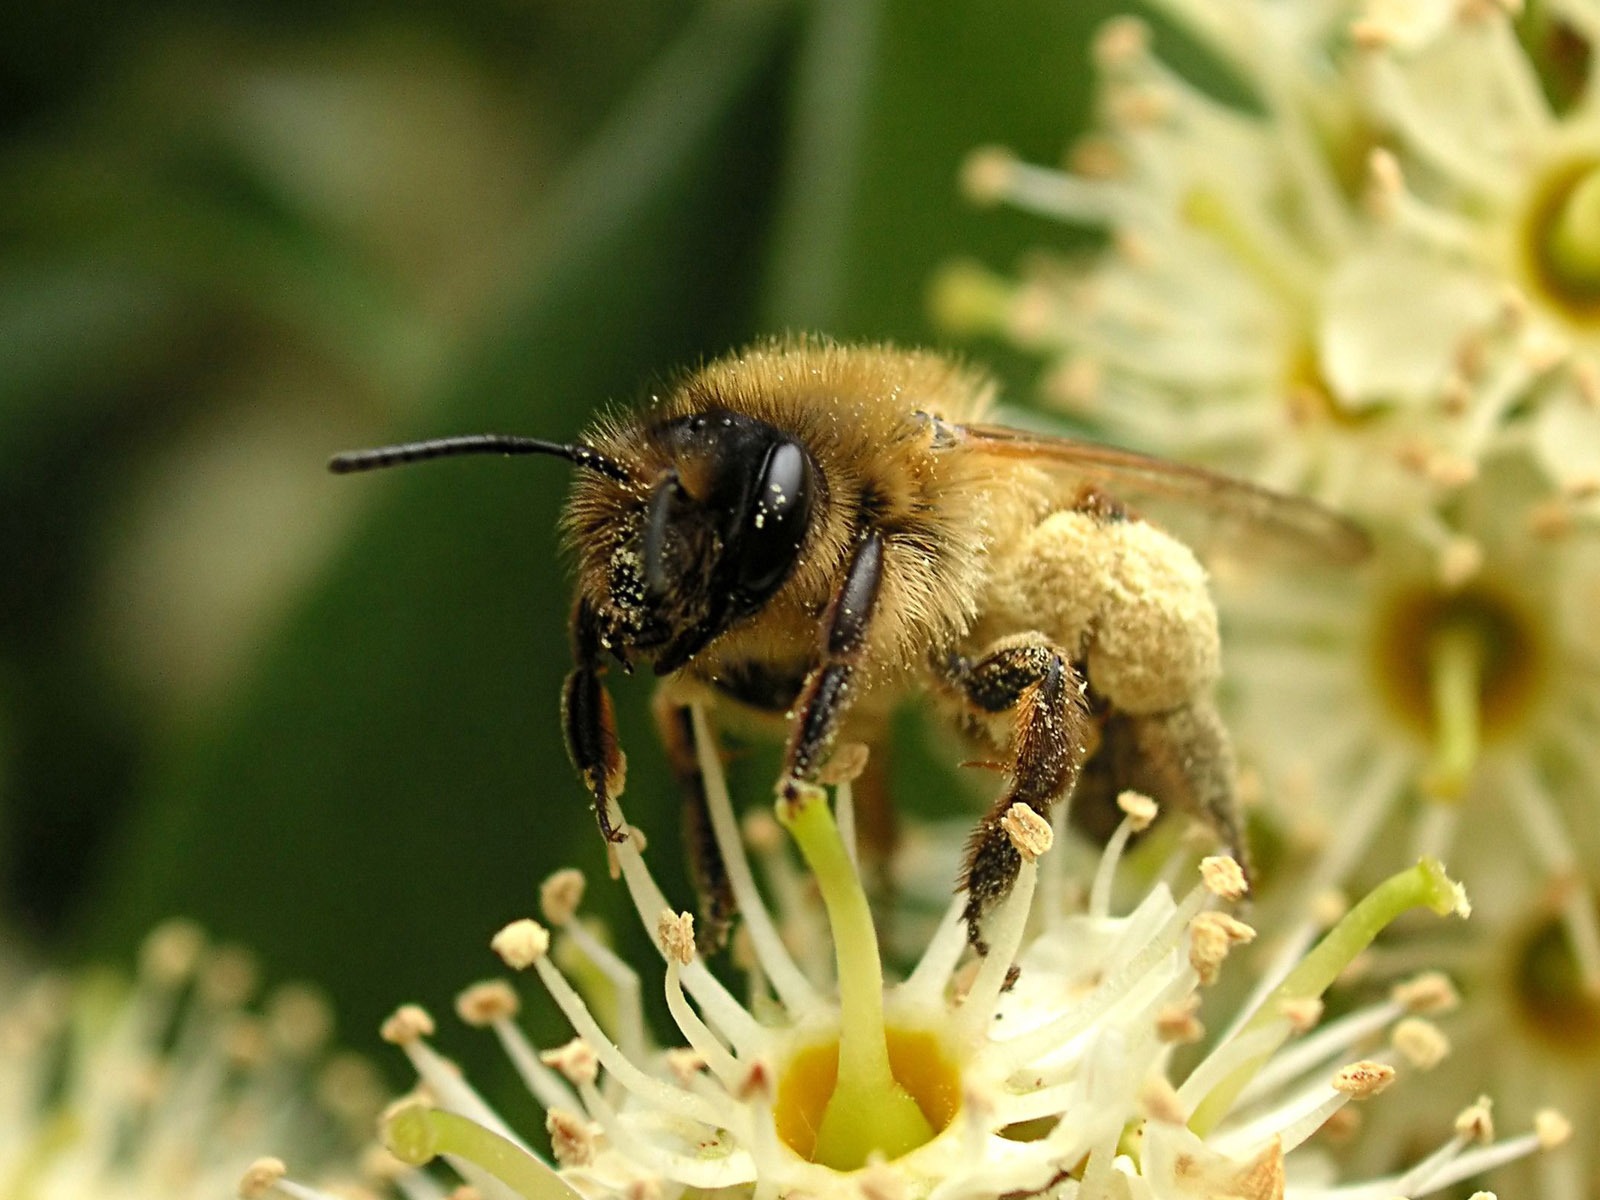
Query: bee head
{"type": "Point", "coordinates": [713, 533]}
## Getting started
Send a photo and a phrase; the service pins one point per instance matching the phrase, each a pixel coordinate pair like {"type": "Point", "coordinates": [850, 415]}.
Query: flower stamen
{"type": "Point", "coordinates": [417, 1134]}
{"type": "Point", "coordinates": [1424, 885]}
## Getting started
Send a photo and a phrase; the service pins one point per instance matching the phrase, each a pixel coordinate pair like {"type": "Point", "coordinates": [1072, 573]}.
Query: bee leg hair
{"type": "Point", "coordinates": [589, 724]}
{"type": "Point", "coordinates": [1035, 682]}
{"type": "Point", "coordinates": [826, 694]}
{"type": "Point", "coordinates": [675, 724]}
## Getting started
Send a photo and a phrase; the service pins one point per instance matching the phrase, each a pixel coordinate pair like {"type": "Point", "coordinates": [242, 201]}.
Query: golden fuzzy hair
{"type": "Point", "coordinates": [864, 414]}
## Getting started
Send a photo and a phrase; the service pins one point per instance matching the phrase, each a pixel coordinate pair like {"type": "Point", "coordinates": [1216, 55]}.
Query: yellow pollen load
{"type": "Point", "coordinates": [806, 1084]}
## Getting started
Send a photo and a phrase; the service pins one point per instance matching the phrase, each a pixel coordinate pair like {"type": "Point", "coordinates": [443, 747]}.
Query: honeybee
{"type": "Point", "coordinates": [802, 533]}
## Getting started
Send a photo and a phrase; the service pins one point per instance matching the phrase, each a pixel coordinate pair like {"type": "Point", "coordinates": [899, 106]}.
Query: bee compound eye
{"type": "Point", "coordinates": [667, 504]}
{"type": "Point", "coordinates": [774, 521]}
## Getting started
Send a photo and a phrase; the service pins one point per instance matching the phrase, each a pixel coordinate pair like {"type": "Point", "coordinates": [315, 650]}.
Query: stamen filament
{"type": "Point", "coordinates": [451, 1088]}
{"type": "Point", "coordinates": [1205, 209]}
{"type": "Point", "coordinates": [1424, 885]}
{"type": "Point", "coordinates": [869, 1110]}
{"type": "Point", "coordinates": [932, 973]}
{"type": "Point", "coordinates": [417, 1134]}
{"type": "Point", "coordinates": [1060, 1030]}
{"type": "Point", "coordinates": [546, 1085]}
{"type": "Point", "coordinates": [631, 1076]}
{"type": "Point", "coordinates": [695, 1031]}
{"type": "Point", "coordinates": [1473, 1162]}
{"type": "Point", "coordinates": [792, 987]}
{"type": "Point", "coordinates": [1329, 1042]}
{"type": "Point", "coordinates": [1105, 874]}
{"type": "Point", "coordinates": [1005, 938]}
{"type": "Point", "coordinates": [721, 1009]}
{"type": "Point", "coordinates": [1374, 796]}
{"type": "Point", "coordinates": [705, 1169]}
{"type": "Point", "coordinates": [1552, 846]}
{"type": "Point", "coordinates": [628, 1016]}
{"type": "Point", "coordinates": [1291, 1123]}
{"type": "Point", "coordinates": [844, 803]}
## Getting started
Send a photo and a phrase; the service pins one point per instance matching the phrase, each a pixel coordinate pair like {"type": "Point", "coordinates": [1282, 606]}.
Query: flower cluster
{"type": "Point", "coordinates": [1375, 280]}
{"type": "Point", "coordinates": [1048, 1067]}
{"type": "Point", "coordinates": [167, 1088]}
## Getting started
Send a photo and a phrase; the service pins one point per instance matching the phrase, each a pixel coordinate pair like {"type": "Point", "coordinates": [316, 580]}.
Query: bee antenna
{"type": "Point", "coordinates": [576, 453]}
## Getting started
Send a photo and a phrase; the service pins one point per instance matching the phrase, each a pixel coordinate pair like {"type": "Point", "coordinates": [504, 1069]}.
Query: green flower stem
{"type": "Point", "coordinates": [1422, 886]}
{"type": "Point", "coordinates": [1575, 238]}
{"type": "Point", "coordinates": [417, 1134]}
{"type": "Point", "coordinates": [869, 1111]}
{"type": "Point", "coordinates": [1456, 659]}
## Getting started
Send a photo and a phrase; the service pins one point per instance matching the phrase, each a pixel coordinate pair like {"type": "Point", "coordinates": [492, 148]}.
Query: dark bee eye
{"type": "Point", "coordinates": [667, 503]}
{"type": "Point", "coordinates": [774, 523]}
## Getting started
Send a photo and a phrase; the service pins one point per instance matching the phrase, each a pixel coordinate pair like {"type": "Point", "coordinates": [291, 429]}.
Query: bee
{"type": "Point", "coordinates": [801, 534]}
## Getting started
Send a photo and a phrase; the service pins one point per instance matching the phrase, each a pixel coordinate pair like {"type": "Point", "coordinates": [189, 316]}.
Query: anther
{"type": "Point", "coordinates": [521, 944]}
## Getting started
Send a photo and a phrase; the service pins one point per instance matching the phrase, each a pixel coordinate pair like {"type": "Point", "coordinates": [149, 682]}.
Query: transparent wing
{"type": "Point", "coordinates": [1303, 524]}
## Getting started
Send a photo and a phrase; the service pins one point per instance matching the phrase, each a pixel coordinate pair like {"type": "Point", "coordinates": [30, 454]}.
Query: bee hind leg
{"type": "Point", "coordinates": [1183, 759]}
{"type": "Point", "coordinates": [675, 724]}
{"type": "Point", "coordinates": [1035, 684]}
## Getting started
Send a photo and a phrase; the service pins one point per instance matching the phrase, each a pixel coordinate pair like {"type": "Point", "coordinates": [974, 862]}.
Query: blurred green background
{"type": "Point", "coordinates": [319, 714]}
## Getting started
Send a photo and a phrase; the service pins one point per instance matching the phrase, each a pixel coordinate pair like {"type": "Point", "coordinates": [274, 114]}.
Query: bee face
{"type": "Point", "coordinates": [706, 532]}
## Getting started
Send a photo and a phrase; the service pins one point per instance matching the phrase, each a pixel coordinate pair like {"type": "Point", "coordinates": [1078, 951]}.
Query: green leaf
{"type": "Point", "coordinates": [390, 785]}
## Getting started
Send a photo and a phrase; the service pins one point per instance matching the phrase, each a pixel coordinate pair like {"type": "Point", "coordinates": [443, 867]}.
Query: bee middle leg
{"type": "Point", "coordinates": [675, 724]}
{"type": "Point", "coordinates": [1034, 682]}
{"type": "Point", "coordinates": [828, 690]}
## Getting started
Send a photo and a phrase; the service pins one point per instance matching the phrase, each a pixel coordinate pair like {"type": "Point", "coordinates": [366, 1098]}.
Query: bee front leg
{"type": "Point", "coordinates": [589, 724]}
{"type": "Point", "coordinates": [827, 692]}
{"type": "Point", "coordinates": [675, 724]}
{"type": "Point", "coordinates": [1034, 682]}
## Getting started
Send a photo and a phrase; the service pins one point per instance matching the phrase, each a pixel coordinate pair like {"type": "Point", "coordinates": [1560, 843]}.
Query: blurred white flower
{"type": "Point", "coordinates": [1356, 287]}
{"type": "Point", "coordinates": [1375, 280]}
{"type": "Point", "coordinates": [167, 1088]}
{"type": "Point", "coordinates": [1048, 1067]}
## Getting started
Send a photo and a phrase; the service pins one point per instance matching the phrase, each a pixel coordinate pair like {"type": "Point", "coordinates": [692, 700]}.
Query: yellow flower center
{"type": "Point", "coordinates": [1560, 239]}
{"type": "Point", "coordinates": [1547, 984]}
{"type": "Point", "coordinates": [1458, 669]}
{"type": "Point", "coordinates": [848, 1099]}
{"type": "Point", "coordinates": [917, 1060]}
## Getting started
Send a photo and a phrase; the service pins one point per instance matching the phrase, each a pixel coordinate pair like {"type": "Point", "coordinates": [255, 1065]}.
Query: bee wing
{"type": "Point", "coordinates": [1303, 524]}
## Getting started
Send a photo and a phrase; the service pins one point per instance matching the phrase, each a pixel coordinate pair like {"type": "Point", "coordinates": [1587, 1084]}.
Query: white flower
{"type": "Point", "coordinates": [1046, 1068]}
{"type": "Point", "coordinates": [1375, 269]}
{"type": "Point", "coordinates": [168, 1088]}
{"type": "Point", "coordinates": [1375, 281]}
